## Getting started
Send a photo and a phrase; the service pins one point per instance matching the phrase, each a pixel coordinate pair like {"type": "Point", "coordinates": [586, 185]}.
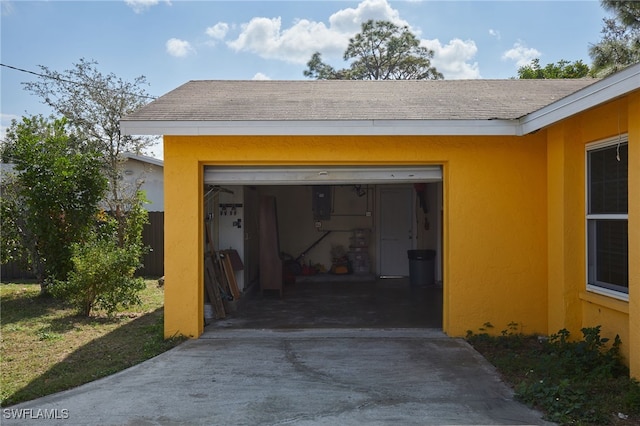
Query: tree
{"type": "Point", "coordinates": [52, 201]}
{"type": "Point", "coordinates": [620, 44]}
{"type": "Point", "coordinates": [93, 104]}
{"type": "Point", "coordinates": [562, 69]}
{"type": "Point", "coordinates": [628, 12]}
{"type": "Point", "coordinates": [381, 51]}
{"type": "Point", "coordinates": [15, 236]}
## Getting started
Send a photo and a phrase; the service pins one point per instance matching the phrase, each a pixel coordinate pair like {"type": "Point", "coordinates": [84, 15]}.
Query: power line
{"type": "Point", "coordinates": [67, 81]}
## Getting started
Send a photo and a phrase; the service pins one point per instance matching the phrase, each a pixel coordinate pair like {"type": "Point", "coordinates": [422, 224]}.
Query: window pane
{"type": "Point", "coordinates": [608, 252]}
{"type": "Point", "coordinates": [608, 179]}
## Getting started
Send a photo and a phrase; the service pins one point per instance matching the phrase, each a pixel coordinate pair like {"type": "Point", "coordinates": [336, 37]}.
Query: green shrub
{"type": "Point", "coordinates": [104, 264]}
{"type": "Point", "coordinates": [103, 277]}
{"type": "Point", "coordinates": [572, 382]}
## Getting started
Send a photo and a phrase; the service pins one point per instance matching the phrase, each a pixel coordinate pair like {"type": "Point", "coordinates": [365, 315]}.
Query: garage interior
{"type": "Point", "coordinates": [325, 247]}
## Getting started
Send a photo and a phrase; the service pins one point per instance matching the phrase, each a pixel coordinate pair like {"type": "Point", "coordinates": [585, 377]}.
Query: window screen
{"type": "Point", "coordinates": [607, 217]}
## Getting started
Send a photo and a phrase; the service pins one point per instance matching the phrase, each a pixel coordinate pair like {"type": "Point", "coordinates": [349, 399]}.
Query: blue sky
{"type": "Point", "coordinates": [172, 42]}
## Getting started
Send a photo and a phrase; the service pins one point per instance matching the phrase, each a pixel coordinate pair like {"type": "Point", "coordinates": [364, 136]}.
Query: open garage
{"type": "Point", "coordinates": [334, 230]}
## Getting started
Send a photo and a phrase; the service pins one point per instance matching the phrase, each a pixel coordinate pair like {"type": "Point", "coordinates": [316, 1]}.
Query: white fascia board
{"type": "Point", "coordinates": [321, 127]}
{"type": "Point", "coordinates": [598, 93]}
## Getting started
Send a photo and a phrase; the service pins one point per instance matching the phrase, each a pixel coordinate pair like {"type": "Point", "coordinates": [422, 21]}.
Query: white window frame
{"type": "Point", "coordinates": [621, 139]}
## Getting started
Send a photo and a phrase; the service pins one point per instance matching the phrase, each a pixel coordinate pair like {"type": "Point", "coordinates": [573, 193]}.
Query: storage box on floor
{"type": "Point", "coordinates": [359, 251]}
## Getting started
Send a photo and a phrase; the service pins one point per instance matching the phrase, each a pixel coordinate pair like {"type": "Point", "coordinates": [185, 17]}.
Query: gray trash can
{"type": "Point", "coordinates": [422, 267]}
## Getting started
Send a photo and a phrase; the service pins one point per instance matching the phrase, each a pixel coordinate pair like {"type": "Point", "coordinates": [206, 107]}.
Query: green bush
{"type": "Point", "coordinates": [105, 263]}
{"type": "Point", "coordinates": [103, 277]}
{"type": "Point", "coordinates": [589, 356]}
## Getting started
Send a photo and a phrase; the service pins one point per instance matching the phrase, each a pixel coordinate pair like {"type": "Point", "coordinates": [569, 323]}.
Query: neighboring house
{"type": "Point", "coordinates": [528, 190]}
{"type": "Point", "coordinates": [147, 172]}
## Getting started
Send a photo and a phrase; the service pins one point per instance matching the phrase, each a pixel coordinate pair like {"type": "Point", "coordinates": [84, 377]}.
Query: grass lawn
{"type": "Point", "coordinates": [46, 348]}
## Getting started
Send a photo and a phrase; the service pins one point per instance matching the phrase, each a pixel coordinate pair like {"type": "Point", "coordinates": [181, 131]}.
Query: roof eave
{"type": "Point", "coordinates": [496, 127]}
{"type": "Point", "coordinates": [143, 158]}
{"type": "Point", "coordinates": [595, 94]}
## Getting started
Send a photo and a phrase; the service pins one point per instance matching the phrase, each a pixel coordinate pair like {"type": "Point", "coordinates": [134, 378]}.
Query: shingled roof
{"type": "Point", "coordinates": [391, 107]}
{"type": "Point", "coordinates": [271, 100]}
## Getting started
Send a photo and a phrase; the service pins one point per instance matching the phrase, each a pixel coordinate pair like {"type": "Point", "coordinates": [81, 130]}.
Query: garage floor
{"type": "Point", "coordinates": [337, 303]}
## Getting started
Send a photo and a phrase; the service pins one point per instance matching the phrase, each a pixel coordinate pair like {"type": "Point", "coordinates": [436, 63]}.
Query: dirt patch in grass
{"type": "Point", "coordinates": [47, 348]}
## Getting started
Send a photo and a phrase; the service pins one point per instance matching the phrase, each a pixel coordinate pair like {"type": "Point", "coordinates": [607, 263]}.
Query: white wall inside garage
{"type": "Point", "coordinates": [232, 224]}
{"type": "Point", "coordinates": [298, 229]}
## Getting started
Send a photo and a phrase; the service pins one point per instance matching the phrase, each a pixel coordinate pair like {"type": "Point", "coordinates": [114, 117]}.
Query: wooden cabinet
{"type": "Point", "coordinates": [270, 260]}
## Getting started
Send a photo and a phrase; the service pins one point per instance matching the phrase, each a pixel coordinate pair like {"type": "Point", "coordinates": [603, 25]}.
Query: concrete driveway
{"type": "Point", "coordinates": [303, 377]}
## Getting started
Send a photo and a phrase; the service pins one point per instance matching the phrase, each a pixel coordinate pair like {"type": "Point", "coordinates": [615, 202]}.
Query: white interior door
{"type": "Point", "coordinates": [396, 234]}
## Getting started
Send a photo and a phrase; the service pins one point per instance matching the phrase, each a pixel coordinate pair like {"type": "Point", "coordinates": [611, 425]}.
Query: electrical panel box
{"type": "Point", "coordinates": [321, 202]}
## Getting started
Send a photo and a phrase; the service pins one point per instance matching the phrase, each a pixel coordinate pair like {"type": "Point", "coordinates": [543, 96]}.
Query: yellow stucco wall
{"type": "Point", "coordinates": [514, 220]}
{"type": "Point", "coordinates": [495, 219]}
{"type": "Point", "coordinates": [570, 305]}
{"type": "Point", "coordinates": [634, 233]}
{"type": "Point", "coordinates": [183, 241]}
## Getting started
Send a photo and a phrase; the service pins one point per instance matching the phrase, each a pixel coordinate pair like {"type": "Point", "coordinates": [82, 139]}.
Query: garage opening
{"type": "Point", "coordinates": [327, 246]}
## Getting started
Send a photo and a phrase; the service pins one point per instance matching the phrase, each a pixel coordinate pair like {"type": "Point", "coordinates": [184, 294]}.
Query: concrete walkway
{"type": "Point", "coordinates": [301, 377]}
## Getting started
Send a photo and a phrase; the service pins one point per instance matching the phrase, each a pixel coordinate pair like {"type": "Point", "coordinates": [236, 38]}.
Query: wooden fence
{"type": "Point", "coordinates": [152, 236]}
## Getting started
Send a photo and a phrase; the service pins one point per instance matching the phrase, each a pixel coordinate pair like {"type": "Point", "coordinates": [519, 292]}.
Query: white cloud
{"type": "Point", "coordinates": [156, 150]}
{"type": "Point", "coordinates": [452, 59]}
{"type": "Point", "coordinates": [521, 54]}
{"type": "Point", "coordinates": [218, 31]}
{"type": "Point", "coordinates": [5, 122]}
{"type": "Point", "coordinates": [260, 76]}
{"type": "Point", "coordinates": [179, 48]}
{"type": "Point", "coordinates": [140, 6]}
{"type": "Point", "coordinates": [7, 8]}
{"type": "Point", "coordinates": [350, 20]}
{"type": "Point", "coordinates": [494, 33]}
{"type": "Point", "coordinates": [8, 117]}
{"type": "Point", "coordinates": [267, 38]}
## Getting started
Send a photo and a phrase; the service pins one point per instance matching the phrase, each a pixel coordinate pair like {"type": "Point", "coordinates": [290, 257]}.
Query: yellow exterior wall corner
{"type": "Point", "coordinates": [555, 228]}
{"type": "Point", "coordinates": [183, 265]}
{"type": "Point", "coordinates": [566, 276]}
{"type": "Point", "coordinates": [634, 233]}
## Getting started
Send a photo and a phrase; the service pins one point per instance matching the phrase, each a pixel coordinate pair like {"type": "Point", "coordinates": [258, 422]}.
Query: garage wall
{"type": "Point", "coordinates": [299, 229]}
{"type": "Point", "coordinates": [429, 224]}
{"type": "Point", "coordinates": [495, 221]}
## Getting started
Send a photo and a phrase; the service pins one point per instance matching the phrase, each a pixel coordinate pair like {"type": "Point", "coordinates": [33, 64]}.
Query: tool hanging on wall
{"type": "Point", "coordinates": [229, 209]}
{"type": "Point", "coordinates": [421, 194]}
